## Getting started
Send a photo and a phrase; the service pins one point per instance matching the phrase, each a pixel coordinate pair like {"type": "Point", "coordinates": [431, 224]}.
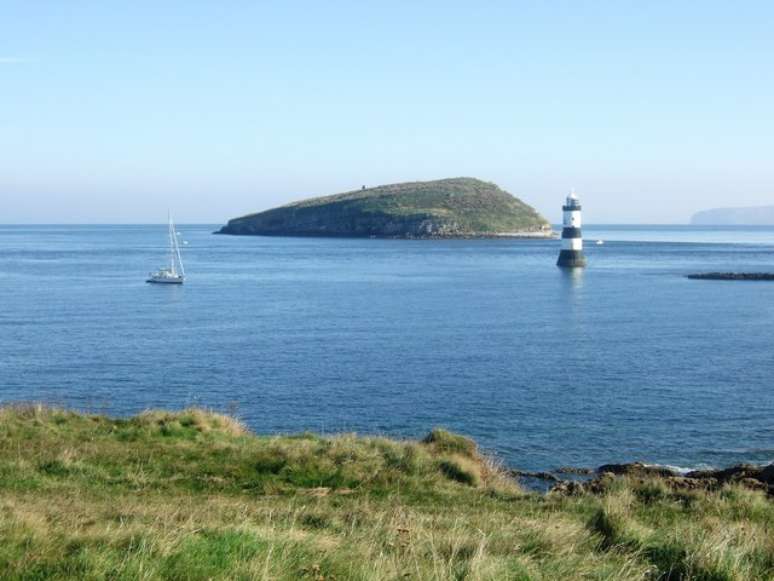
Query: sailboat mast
{"type": "Point", "coordinates": [171, 245]}
{"type": "Point", "coordinates": [177, 252]}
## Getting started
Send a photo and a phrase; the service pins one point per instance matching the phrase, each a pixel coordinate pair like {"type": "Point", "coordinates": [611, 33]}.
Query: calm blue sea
{"type": "Point", "coordinates": [626, 360]}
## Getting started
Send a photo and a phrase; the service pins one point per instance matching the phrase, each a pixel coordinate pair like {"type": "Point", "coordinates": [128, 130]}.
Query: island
{"type": "Point", "coordinates": [447, 208]}
{"type": "Point", "coordinates": [750, 216]}
{"type": "Point", "coordinates": [196, 495]}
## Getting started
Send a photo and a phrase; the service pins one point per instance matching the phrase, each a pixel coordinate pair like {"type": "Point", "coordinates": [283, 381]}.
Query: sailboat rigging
{"type": "Point", "coordinates": [174, 273]}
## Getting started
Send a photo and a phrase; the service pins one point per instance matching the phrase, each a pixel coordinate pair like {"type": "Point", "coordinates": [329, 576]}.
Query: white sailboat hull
{"type": "Point", "coordinates": [165, 279]}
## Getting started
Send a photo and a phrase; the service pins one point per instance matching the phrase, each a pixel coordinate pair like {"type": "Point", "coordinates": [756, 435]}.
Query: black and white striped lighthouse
{"type": "Point", "coordinates": [571, 255]}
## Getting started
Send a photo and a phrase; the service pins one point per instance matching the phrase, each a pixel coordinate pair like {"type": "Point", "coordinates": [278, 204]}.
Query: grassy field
{"type": "Point", "coordinates": [194, 495]}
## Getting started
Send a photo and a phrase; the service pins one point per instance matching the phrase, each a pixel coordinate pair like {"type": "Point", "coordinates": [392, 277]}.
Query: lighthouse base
{"type": "Point", "coordinates": [571, 259]}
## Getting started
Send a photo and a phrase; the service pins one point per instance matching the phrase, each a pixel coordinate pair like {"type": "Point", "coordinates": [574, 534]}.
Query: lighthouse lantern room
{"type": "Point", "coordinates": [571, 255]}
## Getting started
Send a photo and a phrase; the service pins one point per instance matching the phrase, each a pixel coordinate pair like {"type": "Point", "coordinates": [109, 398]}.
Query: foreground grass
{"type": "Point", "coordinates": [193, 495]}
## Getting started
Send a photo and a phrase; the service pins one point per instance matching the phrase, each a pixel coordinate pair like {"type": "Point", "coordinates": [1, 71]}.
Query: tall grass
{"type": "Point", "coordinates": [194, 495]}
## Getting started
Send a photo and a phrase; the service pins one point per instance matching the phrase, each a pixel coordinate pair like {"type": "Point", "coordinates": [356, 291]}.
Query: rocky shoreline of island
{"type": "Point", "coordinates": [406, 235]}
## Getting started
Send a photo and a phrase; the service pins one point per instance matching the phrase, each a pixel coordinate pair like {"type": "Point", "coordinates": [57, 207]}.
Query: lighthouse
{"type": "Point", "coordinates": [571, 255]}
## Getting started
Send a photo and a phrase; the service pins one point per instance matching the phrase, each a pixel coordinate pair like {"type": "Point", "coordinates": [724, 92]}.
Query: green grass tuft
{"type": "Point", "coordinates": [445, 441]}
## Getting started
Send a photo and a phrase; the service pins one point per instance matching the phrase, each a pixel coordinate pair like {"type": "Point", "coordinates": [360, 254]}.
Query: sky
{"type": "Point", "coordinates": [113, 112]}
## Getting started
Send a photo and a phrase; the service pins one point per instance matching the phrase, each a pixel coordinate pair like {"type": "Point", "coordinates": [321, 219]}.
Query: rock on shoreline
{"type": "Point", "coordinates": [748, 475]}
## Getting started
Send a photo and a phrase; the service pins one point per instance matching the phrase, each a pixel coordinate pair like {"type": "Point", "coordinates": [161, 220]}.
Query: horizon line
{"type": "Point", "coordinates": [558, 224]}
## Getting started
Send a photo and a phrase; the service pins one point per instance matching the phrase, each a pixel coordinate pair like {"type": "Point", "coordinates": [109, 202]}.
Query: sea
{"type": "Point", "coordinates": [626, 360]}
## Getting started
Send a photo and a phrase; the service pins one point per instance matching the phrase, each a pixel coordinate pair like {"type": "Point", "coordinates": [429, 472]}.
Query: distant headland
{"type": "Point", "coordinates": [447, 208]}
{"type": "Point", "coordinates": [751, 216]}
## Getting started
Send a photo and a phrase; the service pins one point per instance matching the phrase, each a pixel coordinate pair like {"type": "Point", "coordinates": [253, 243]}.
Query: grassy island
{"type": "Point", "coordinates": [195, 495]}
{"type": "Point", "coordinates": [448, 208]}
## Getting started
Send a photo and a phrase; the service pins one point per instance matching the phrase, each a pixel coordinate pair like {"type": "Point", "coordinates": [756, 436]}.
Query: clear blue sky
{"type": "Point", "coordinates": [114, 111]}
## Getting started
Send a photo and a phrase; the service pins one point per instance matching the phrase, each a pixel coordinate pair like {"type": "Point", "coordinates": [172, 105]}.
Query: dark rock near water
{"type": "Point", "coordinates": [685, 483]}
{"type": "Point", "coordinates": [754, 484]}
{"type": "Point", "coordinates": [574, 470]}
{"type": "Point", "coordinates": [569, 488]}
{"type": "Point", "coordinates": [537, 475]}
{"type": "Point", "coordinates": [737, 473]}
{"type": "Point", "coordinates": [636, 469]}
{"type": "Point", "coordinates": [748, 475]}
{"type": "Point", "coordinates": [733, 276]}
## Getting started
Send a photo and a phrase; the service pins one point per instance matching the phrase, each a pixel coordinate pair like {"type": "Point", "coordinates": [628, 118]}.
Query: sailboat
{"type": "Point", "coordinates": [174, 273]}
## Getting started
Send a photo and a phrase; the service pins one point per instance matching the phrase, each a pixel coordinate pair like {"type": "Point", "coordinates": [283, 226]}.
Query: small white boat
{"type": "Point", "coordinates": [174, 273]}
{"type": "Point", "coordinates": [600, 242]}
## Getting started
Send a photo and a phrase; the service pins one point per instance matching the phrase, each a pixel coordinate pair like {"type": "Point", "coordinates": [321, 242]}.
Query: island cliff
{"type": "Point", "coordinates": [448, 208]}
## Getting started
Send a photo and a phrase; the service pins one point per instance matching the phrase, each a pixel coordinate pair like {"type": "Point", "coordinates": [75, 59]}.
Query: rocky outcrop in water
{"type": "Point", "coordinates": [732, 276]}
